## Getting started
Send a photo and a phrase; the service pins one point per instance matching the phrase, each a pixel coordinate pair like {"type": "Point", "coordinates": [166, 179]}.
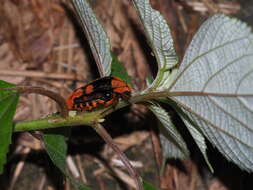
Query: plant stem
{"type": "Point", "coordinates": [86, 118]}
{"type": "Point", "coordinates": [108, 139]}
{"type": "Point", "coordinates": [57, 121]}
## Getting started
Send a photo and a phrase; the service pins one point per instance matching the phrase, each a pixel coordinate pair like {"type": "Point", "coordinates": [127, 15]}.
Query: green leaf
{"type": "Point", "coordinates": [215, 87]}
{"type": "Point", "coordinates": [161, 42]}
{"type": "Point", "coordinates": [56, 148]}
{"type": "Point", "coordinates": [96, 36]}
{"type": "Point", "coordinates": [118, 70]}
{"type": "Point", "coordinates": [8, 104]}
{"type": "Point", "coordinates": [172, 143]}
{"type": "Point", "coordinates": [148, 186]}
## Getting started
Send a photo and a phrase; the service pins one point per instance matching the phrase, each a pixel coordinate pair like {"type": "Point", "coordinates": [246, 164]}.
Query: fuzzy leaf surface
{"type": "Point", "coordinates": [97, 37]}
{"type": "Point", "coordinates": [173, 144]}
{"type": "Point", "coordinates": [215, 85]}
{"type": "Point", "coordinates": [158, 34]}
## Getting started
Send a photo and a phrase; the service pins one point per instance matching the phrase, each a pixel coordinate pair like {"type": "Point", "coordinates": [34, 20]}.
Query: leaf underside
{"type": "Point", "coordinates": [158, 34]}
{"type": "Point", "coordinates": [98, 40]}
{"type": "Point", "coordinates": [173, 144]}
{"type": "Point", "coordinates": [218, 68]}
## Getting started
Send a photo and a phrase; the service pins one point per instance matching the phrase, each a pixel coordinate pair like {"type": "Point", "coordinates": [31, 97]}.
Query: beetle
{"type": "Point", "coordinates": [102, 92]}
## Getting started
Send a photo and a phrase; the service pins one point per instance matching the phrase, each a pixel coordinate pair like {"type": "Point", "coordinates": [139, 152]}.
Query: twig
{"type": "Point", "coordinates": [72, 167]}
{"type": "Point", "coordinates": [70, 50]}
{"type": "Point", "coordinates": [42, 183]}
{"type": "Point", "coordinates": [124, 177]}
{"type": "Point", "coordinates": [81, 171]}
{"type": "Point", "coordinates": [38, 74]}
{"type": "Point", "coordinates": [19, 167]}
{"type": "Point", "coordinates": [107, 138]}
{"type": "Point", "coordinates": [228, 7]}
